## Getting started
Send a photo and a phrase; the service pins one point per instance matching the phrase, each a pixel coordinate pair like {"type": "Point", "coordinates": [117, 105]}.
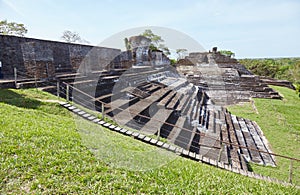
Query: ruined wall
{"type": "Point", "coordinates": [220, 59]}
{"type": "Point", "coordinates": [43, 58]}
{"type": "Point", "coordinates": [126, 59]}
{"type": "Point", "coordinates": [158, 58]}
{"type": "Point", "coordinates": [198, 57]}
{"type": "Point", "coordinates": [207, 58]}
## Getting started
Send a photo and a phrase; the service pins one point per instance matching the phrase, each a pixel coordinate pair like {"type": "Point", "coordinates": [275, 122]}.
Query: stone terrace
{"type": "Point", "coordinates": [160, 101]}
{"type": "Point", "coordinates": [142, 91]}
{"type": "Point", "coordinates": [224, 79]}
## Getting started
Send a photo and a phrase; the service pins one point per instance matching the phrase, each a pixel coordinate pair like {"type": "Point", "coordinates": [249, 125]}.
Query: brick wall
{"type": "Point", "coordinates": [207, 57]}
{"type": "Point", "coordinates": [43, 58]}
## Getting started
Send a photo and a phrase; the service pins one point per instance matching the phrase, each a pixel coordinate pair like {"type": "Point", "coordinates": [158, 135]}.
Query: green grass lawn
{"type": "Point", "coordinates": [280, 122]}
{"type": "Point", "coordinates": [46, 150]}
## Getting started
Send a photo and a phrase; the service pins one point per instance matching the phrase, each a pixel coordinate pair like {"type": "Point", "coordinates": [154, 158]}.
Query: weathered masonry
{"type": "Point", "coordinates": [224, 79]}
{"type": "Point", "coordinates": [44, 59]}
{"type": "Point", "coordinates": [139, 89]}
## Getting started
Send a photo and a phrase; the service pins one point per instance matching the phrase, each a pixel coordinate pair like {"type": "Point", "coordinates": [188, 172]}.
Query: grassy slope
{"type": "Point", "coordinates": [280, 122]}
{"type": "Point", "coordinates": [42, 150]}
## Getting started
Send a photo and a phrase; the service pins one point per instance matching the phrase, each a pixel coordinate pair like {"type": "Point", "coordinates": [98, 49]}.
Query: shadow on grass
{"type": "Point", "coordinates": [10, 97]}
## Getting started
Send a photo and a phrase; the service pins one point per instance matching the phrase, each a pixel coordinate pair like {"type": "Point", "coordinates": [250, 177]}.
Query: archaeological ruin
{"type": "Point", "coordinates": [139, 89]}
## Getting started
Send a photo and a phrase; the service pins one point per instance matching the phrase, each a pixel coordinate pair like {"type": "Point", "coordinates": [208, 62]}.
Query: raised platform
{"type": "Point", "coordinates": [228, 84]}
{"type": "Point", "coordinates": [157, 102]}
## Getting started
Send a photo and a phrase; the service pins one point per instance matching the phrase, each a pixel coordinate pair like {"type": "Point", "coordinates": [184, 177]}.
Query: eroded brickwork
{"type": "Point", "coordinates": [43, 59]}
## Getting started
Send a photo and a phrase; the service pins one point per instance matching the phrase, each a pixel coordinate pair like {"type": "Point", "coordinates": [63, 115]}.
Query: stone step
{"type": "Point", "coordinates": [194, 144]}
{"type": "Point", "coordinates": [138, 92]}
{"type": "Point", "coordinates": [254, 155]}
{"type": "Point", "coordinates": [210, 145]}
{"type": "Point", "coordinates": [153, 88]}
{"type": "Point", "coordinates": [119, 105]}
{"type": "Point", "coordinates": [66, 75]}
{"type": "Point", "coordinates": [83, 83]}
{"type": "Point", "coordinates": [210, 148]}
{"type": "Point", "coordinates": [233, 150]}
{"type": "Point", "coordinates": [107, 79]}
{"type": "Point", "coordinates": [195, 112]}
{"type": "Point", "coordinates": [240, 137]}
{"type": "Point", "coordinates": [258, 143]}
{"type": "Point", "coordinates": [183, 102]}
{"type": "Point", "coordinates": [176, 129]}
{"type": "Point", "coordinates": [180, 83]}
{"type": "Point", "coordinates": [175, 101]}
{"type": "Point", "coordinates": [140, 106]}
{"type": "Point", "coordinates": [156, 122]}
{"type": "Point", "coordinates": [261, 142]}
{"type": "Point", "coordinates": [166, 99]}
{"type": "Point", "coordinates": [184, 137]}
{"type": "Point", "coordinates": [189, 106]}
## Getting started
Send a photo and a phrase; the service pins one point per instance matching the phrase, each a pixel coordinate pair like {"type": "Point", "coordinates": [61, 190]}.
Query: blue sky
{"type": "Point", "coordinates": [267, 28]}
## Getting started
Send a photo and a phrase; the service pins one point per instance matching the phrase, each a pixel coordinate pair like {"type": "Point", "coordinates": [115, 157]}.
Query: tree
{"type": "Point", "coordinates": [156, 41]}
{"type": "Point", "coordinates": [71, 37]}
{"type": "Point", "coordinates": [181, 53]}
{"type": "Point", "coordinates": [173, 62]}
{"type": "Point", "coordinates": [12, 28]}
{"type": "Point", "coordinates": [227, 53]}
{"type": "Point", "coordinates": [281, 68]}
{"type": "Point", "coordinates": [127, 44]}
{"type": "Point", "coordinates": [165, 49]}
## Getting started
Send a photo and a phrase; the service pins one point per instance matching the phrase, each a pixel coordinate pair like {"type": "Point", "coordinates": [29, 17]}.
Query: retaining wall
{"type": "Point", "coordinates": [43, 58]}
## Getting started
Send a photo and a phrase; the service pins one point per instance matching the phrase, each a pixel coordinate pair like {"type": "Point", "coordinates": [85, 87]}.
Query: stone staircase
{"type": "Point", "coordinates": [161, 102]}
{"type": "Point", "coordinates": [228, 84]}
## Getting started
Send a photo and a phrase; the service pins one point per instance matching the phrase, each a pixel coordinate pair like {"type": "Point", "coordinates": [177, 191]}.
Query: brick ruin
{"type": "Point", "coordinates": [45, 59]}
{"type": "Point", "coordinates": [161, 101]}
{"type": "Point", "coordinates": [225, 80]}
{"type": "Point", "coordinates": [140, 90]}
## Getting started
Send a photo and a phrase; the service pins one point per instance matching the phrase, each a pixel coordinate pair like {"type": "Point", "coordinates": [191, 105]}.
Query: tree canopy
{"type": "Point", "coordinates": [71, 37]}
{"type": "Point", "coordinates": [280, 68]}
{"type": "Point", "coordinates": [156, 41]}
{"type": "Point", "coordinates": [227, 53]}
{"type": "Point", "coordinates": [12, 28]}
{"type": "Point", "coordinates": [181, 53]}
